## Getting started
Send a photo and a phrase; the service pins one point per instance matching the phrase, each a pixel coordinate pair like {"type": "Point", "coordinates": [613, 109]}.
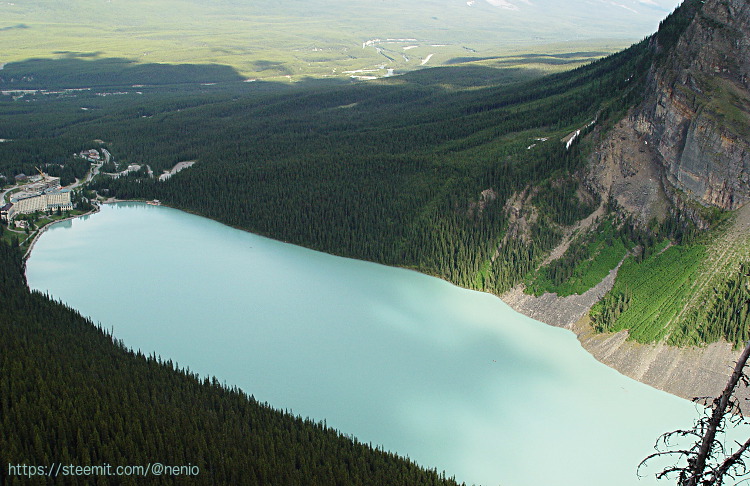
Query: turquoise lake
{"type": "Point", "coordinates": [454, 379]}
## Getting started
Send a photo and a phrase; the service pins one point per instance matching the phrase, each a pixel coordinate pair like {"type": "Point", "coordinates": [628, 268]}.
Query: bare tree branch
{"type": "Point", "coordinates": [698, 467]}
{"type": "Point", "coordinates": [705, 462]}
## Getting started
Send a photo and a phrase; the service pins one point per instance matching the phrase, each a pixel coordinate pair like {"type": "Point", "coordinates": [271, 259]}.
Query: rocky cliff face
{"type": "Point", "coordinates": [686, 144]}
{"type": "Point", "coordinates": [695, 120]}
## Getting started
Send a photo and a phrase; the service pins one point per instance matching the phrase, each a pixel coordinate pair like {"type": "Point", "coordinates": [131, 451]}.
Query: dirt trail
{"type": "Point", "coordinates": [582, 225]}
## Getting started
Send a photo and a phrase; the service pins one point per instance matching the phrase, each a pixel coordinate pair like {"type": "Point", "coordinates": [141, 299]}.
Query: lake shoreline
{"type": "Point", "coordinates": [44, 228]}
{"type": "Point", "coordinates": [687, 372]}
{"type": "Point", "coordinates": [452, 377]}
{"type": "Point", "coordinates": [684, 372]}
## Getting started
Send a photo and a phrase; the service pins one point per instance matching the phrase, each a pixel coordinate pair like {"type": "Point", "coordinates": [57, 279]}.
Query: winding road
{"type": "Point", "coordinates": [92, 173]}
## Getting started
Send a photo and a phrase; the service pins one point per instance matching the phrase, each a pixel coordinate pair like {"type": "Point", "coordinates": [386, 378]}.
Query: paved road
{"type": "Point", "coordinates": [92, 173]}
{"type": "Point", "coordinates": [2, 200]}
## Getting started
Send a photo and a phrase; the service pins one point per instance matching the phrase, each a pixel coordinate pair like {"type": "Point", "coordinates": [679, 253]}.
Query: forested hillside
{"type": "Point", "coordinates": [401, 174]}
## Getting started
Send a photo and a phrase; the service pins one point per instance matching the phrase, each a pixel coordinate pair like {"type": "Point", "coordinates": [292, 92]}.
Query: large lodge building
{"type": "Point", "coordinates": [44, 195]}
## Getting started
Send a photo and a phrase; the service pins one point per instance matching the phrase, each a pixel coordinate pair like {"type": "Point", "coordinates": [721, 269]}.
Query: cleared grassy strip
{"type": "Point", "coordinates": [653, 292]}
{"type": "Point", "coordinates": [723, 314]}
{"type": "Point", "coordinates": [719, 296]}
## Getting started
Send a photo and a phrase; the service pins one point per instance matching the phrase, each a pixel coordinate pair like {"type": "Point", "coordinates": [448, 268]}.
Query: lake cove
{"type": "Point", "coordinates": [454, 379]}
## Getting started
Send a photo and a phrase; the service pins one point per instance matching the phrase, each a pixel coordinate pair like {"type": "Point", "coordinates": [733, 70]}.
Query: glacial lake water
{"type": "Point", "coordinates": [453, 379]}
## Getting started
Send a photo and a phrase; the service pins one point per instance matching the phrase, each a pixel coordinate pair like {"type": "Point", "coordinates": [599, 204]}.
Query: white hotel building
{"type": "Point", "coordinates": [49, 200]}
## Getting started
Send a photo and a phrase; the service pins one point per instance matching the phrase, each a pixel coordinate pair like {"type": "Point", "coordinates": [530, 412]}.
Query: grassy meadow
{"type": "Point", "coordinates": [296, 40]}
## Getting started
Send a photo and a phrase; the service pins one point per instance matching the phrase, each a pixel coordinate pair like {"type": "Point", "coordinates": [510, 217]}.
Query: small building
{"type": "Point", "coordinates": [21, 223]}
{"type": "Point", "coordinates": [91, 155]}
{"type": "Point", "coordinates": [21, 177]}
{"type": "Point", "coordinates": [6, 212]}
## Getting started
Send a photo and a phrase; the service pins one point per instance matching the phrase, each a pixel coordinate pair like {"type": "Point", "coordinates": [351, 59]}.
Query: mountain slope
{"type": "Point", "coordinates": [477, 186]}
{"type": "Point", "coordinates": [697, 115]}
{"type": "Point", "coordinates": [474, 185]}
{"type": "Point", "coordinates": [692, 127]}
{"type": "Point", "coordinates": [683, 154]}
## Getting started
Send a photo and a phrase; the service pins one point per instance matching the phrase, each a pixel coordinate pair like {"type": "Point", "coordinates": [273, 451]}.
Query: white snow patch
{"type": "Point", "coordinates": [502, 4]}
{"type": "Point", "coordinates": [426, 59]}
{"type": "Point", "coordinates": [406, 48]}
{"type": "Point", "coordinates": [570, 141]}
{"type": "Point", "coordinates": [177, 168]}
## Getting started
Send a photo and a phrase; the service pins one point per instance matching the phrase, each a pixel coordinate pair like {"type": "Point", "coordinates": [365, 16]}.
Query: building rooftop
{"type": "Point", "coordinates": [23, 195]}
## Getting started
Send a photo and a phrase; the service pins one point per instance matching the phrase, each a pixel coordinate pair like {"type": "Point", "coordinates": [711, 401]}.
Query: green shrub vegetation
{"type": "Point", "coordinates": [724, 315]}
{"type": "Point", "coordinates": [648, 294]}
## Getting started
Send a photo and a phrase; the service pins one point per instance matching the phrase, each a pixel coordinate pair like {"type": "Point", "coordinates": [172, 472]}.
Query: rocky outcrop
{"type": "Point", "coordinates": [696, 116]}
{"type": "Point", "coordinates": [625, 167]}
{"type": "Point", "coordinates": [687, 144]}
{"type": "Point", "coordinates": [686, 372]}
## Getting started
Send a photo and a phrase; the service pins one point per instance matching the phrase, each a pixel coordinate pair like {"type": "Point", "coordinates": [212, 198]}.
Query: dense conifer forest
{"type": "Point", "coordinates": [404, 175]}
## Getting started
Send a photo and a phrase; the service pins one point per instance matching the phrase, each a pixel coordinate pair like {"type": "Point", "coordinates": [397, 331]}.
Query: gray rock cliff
{"type": "Point", "coordinates": [686, 145]}
{"type": "Point", "coordinates": [691, 134]}
{"type": "Point", "coordinates": [696, 116]}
